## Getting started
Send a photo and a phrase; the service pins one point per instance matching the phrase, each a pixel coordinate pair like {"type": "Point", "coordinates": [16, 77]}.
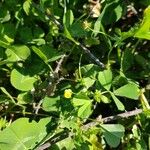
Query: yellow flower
{"type": "Point", "coordinates": [86, 24]}
{"type": "Point", "coordinates": [68, 93]}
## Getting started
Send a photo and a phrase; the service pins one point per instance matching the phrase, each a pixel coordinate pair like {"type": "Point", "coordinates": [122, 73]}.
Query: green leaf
{"type": "Point", "coordinates": [21, 80]}
{"type": "Point", "coordinates": [4, 15]}
{"type": "Point", "coordinates": [89, 70]}
{"type": "Point", "coordinates": [9, 32]}
{"type": "Point", "coordinates": [90, 41]}
{"type": "Point", "coordinates": [38, 42]}
{"type": "Point", "coordinates": [129, 90]}
{"type": "Point", "coordinates": [69, 36]}
{"type": "Point", "coordinates": [68, 18]}
{"type": "Point", "coordinates": [97, 25]}
{"type": "Point", "coordinates": [3, 123]}
{"type": "Point", "coordinates": [24, 98]}
{"type": "Point", "coordinates": [114, 10]}
{"type": "Point", "coordinates": [22, 134]}
{"type": "Point", "coordinates": [51, 103]}
{"type": "Point", "coordinates": [88, 82]}
{"type": "Point", "coordinates": [80, 100]}
{"type": "Point", "coordinates": [85, 110]}
{"type": "Point", "coordinates": [144, 29]}
{"type": "Point", "coordinates": [17, 53]}
{"type": "Point", "coordinates": [39, 53]}
{"type": "Point", "coordinates": [105, 78]}
{"type": "Point", "coordinates": [4, 44]}
{"type": "Point", "coordinates": [68, 123]}
{"type": "Point", "coordinates": [113, 133]}
{"type": "Point", "coordinates": [128, 34]}
{"type": "Point", "coordinates": [105, 99]}
{"type": "Point", "coordinates": [27, 6]}
{"type": "Point", "coordinates": [118, 103]}
{"type": "Point", "coordinates": [84, 103]}
{"type": "Point", "coordinates": [67, 143]}
{"type": "Point", "coordinates": [47, 53]}
{"type": "Point", "coordinates": [119, 80]}
{"type": "Point", "coordinates": [97, 95]}
{"type": "Point", "coordinates": [101, 98]}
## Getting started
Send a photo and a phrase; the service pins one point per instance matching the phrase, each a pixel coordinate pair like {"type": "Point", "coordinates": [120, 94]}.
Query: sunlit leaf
{"type": "Point", "coordinates": [118, 103]}
{"type": "Point", "coordinates": [27, 6]}
{"type": "Point", "coordinates": [21, 80]}
{"type": "Point", "coordinates": [105, 78]}
{"type": "Point", "coordinates": [24, 98]}
{"type": "Point", "coordinates": [129, 90]}
{"type": "Point", "coordinates": [88, 82]}
{"type": "Point", "coordinates": [84, 104]}
{"type": "Point", "coordinates": [68, 18]}
{"type": "Point", "coordinates": [80, 100]}
{"type": "Point", "coordinates": [39, 53]}
{"type": "Point", "coordinates": [51, 103]}
{"type": "Point", "coordinates": [17, 53]}
{"type": "Point", "coordinates": [144, 29]}
{"type": "Point", "coordinates": [113, 133]}
{"type": "Point", "coordinates": [85, 110]}
{"type": "Point", "coordinates": [25, 134]}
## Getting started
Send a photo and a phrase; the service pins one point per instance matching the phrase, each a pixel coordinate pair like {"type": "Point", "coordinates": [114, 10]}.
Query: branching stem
{"type": "Point", "coordinates": [94, 123]}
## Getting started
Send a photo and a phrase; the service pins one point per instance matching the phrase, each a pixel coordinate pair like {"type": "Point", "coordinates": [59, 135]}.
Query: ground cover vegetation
{"type": "Point", "coordinates": [74, 74]}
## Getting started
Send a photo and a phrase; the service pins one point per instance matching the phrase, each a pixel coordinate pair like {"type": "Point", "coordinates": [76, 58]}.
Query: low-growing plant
{"type": "Point", "coordinates": [74, 75]}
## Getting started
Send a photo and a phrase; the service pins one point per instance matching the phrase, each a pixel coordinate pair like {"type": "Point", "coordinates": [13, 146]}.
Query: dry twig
{"type": "Point", "coordinates": [54, 78]}
{"type": "Point", "coordinates": [60, 26]}
{"type": "Point", "coordinates": [112, 118]}
{"type": "Point", "coordinates": [92, 124]}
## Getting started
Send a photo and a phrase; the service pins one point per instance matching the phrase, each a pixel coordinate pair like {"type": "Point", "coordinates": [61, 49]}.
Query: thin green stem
{"type": "Point", "coordinates": [80, 75]}
{"type": "Point", "coordinates": [135, 45]}
{"type": "Point", "coordinates": [101, 32]}
{"type": "Point", "coordinates": [80, 18]}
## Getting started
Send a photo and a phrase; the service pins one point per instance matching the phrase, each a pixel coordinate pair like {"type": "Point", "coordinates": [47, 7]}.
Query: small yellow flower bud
{"type": "Point", "coordinates": [86, 24]}
{"type": "Point", "coordinates": [68, 93]}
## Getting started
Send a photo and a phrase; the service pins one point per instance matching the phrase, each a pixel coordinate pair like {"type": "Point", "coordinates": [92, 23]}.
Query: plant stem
{"type": "Point", "coordinates": [92, 124]}
{"type": "Point", "coordinates": [112, 118]}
